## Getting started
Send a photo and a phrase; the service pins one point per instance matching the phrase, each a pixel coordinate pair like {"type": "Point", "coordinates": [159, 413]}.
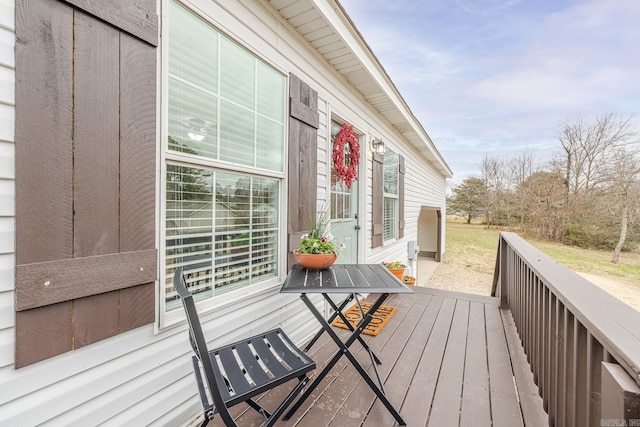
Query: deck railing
{"type": "Point", "coordinates": [583, 345]}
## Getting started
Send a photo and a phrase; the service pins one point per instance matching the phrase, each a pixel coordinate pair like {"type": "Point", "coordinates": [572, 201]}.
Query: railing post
{"type": "Point", "coordinates": [505, 274]}
{"type": "Point", "coordinates": [620, 397]}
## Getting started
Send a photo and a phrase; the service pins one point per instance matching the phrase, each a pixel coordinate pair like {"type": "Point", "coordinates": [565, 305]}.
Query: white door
{"type": "Point", "coordinates": [344, 217]}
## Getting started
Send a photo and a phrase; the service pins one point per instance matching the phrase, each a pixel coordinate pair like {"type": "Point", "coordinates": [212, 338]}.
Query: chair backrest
{"type": "Point", "coordinates": [199, 345]}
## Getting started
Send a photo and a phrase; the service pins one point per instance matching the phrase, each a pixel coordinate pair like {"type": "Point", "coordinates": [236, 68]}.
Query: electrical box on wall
{"type": "Point", "coordinates": [412, 249]}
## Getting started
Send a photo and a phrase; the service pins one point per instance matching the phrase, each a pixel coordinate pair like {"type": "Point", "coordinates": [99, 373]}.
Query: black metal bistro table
{"type": "Point", "coordinates": [351, 279]}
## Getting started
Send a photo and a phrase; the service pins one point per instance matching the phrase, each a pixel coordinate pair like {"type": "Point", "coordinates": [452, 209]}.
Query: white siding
{"type": "Point", "coordinates": [144, 377]}
{"type": "Point", "coordinates": [424, 186]}
{"type": "Point", "coordinates": [7, 186]}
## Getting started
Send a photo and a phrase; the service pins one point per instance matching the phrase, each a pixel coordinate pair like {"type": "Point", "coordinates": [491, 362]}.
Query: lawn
{"type": "Point", "coordinates": [474, 247]}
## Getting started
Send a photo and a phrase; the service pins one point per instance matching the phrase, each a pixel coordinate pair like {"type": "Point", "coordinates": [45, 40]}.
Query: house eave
{"type": "Point", "coordinates": [326, 26]}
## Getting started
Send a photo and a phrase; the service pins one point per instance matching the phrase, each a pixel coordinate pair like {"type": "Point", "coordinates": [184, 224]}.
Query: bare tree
{"type": "Point", "coordinates": [584, 163]}
{"type": "Point", "coordinates": [494, 177]}
{"type": "Point", "coordinates": [520, 169]}
{"type": "Point", "coordinates": [542, 193]}
{"type": "Point", "coordinates": [585, 146]}
{"type": "Point", "coordinates": [624, 174]}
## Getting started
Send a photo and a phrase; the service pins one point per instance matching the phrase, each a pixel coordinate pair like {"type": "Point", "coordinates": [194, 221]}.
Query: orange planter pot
{"type": "Point", "coordinates": [409, 280]}
{"type": "Point", "coordinates": [398, 272]}
{"type": "Point", "coordinates": [315, 261]}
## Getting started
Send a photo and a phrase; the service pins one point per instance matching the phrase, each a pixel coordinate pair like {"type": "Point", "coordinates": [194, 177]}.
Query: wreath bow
{"type": "Point", "coordinates": [346, 173]}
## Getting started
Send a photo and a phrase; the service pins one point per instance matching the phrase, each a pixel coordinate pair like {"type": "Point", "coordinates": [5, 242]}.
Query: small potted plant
{"type": "Point", "coordinates": [409, 280]}
{"type": "Point", "coordinates": [396, 268]}
{"type": "Point", "coordinates": [317, 249]}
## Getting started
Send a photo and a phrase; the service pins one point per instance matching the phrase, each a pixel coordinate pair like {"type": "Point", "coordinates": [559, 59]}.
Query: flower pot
{"type": "Point", "coordinates": [315, 261]}
{"type": "Point", "coordinates": [409, 280]}
{"type": "Point", "coordinates": [398, 272]}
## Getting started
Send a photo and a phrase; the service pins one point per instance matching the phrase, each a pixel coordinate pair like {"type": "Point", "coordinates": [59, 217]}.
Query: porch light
{"type": "Point", "coordinates": [377, 146]}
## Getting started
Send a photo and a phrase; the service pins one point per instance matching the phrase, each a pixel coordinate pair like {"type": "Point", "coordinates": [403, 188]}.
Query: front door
{"type": "Point", "coordinates": [344, 211]}
{"type": "Point", "coordinates": [344, 225]}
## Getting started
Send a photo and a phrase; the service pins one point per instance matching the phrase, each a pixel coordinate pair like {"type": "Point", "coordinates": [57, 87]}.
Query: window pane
{"type": "Point", "coordinates": [221, 244]}
{"type": "Point", "coordinates": [193, 45]}
{"type": "Point", "coordinates": [237, 74]}
{"type": "Point", "coordinates": [269, 156]}
{"type": "Point", "coordinates": [389, 219]}
{"type": "Point", "coordinates": [193, 100]}
{"type": "Point", "coordinates": [340, 194]}
{"type": "Point", "coordinates": [264, 236]}
{"type": "Point", "coordinates": [237, 137]}
{"type": "Point", "coordinates": [192, 116]}
{"type": "Point", "coordinates": [189, 227]}
{"type": "Point", "coordinates": [246, 231]}
{"type": "Point", "coordinates": [240, 121]}
{"type": "Point", "coordinates": [390, 172]}
{"type": "Point", "coordinates": [270, 90]}
{"type": "Point", "coordinates": [390, 215]}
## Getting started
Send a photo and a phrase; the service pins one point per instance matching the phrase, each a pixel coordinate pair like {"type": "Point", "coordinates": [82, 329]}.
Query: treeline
{"type": "Point", "coordinates": [588, 195]}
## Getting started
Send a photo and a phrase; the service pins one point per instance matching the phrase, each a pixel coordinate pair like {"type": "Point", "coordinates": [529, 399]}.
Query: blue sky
{"type": "Point", "coordinates": [496, 77]}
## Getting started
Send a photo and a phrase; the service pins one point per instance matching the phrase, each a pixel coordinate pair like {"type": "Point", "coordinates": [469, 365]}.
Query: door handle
{"type": "Point", "coordinates": [357, 227]}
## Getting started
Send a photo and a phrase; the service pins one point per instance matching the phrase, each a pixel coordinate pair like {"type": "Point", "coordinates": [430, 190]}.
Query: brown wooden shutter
{"type": "Point", "coordinates": [377, 202]}
{"type": "Point", "coordinates": [400, 197]}
{"type": "Point", "coordinates": [86, 261]}
{"type": "Point", "coordinates": [303, 160]}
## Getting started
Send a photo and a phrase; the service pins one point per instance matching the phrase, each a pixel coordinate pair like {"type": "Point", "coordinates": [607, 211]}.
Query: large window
{"type": "Point", "coordinates": [224, 161]}
{"type": "Point", "coordinates": [391, 196]}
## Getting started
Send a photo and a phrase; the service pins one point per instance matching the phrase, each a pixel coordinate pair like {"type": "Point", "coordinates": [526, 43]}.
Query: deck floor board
{"type": "Point", "coordinates": [447, 359]}
{"type": "Point", "coordinates": [476, 409]}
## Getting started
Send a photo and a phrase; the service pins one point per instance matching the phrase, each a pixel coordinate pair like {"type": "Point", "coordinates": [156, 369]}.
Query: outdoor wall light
{"type": "Point", "coordinates": [377, 146]}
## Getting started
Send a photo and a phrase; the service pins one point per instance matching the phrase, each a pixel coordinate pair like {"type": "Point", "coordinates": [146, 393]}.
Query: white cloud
{"type": "Point", "coordinates": [484, 7]}
{"type": "Point", "coordinates": [494, 76]}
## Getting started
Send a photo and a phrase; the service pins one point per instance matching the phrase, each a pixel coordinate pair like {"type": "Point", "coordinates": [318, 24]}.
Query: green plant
{"type": "Point", "coordinates": [319, 240]}
{"type": "Point", "coordinates": [316, 242]}
{"type": "Point", "coordinates": [394, 265]}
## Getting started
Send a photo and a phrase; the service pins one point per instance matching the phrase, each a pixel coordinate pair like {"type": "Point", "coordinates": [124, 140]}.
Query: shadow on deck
{"type": "Point", "coordinates": [448, 359]}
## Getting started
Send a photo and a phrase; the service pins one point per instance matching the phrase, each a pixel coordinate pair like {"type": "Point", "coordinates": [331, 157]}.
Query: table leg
{"type": "Point", "coordinates": [379, 391]}
{"type": "Point", "coordinates": [343, 304]}
{"type": "Point", "coordinates": [344, 350]}
{"type": "Point", "coordinates": [338, 312]}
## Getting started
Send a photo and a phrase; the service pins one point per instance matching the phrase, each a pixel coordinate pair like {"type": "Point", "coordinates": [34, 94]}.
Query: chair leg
{"type": "Point", "coordinates": [208, 415]}
{"type": "Point", "coordinates": [303, 381]}
{"type": "Point", "coordinates": [259, 408]}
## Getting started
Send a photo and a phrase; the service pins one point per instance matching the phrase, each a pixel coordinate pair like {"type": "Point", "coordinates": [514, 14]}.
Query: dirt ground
{"type": "Point", "coordinates": [461, 279]}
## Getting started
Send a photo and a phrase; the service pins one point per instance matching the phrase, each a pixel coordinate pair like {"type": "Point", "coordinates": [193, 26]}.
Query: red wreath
{"type": "Point", "coordinates": [345, 173]}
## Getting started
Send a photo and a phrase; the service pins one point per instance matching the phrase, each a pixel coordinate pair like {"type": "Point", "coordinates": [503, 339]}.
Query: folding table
{"type": "Point", "coordinates": [349, 279]}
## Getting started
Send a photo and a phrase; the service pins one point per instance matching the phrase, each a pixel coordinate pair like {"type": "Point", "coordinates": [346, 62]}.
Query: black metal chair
{"type": "Point", "coordinates": [240, 371]}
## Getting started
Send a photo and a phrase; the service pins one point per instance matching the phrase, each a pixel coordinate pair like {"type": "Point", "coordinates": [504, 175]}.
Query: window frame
{"type": "Point", "coordinates": [345, 193]}
{"type": "Point", "coordinates": [173, 157]}
{"type": "Point", "coordinates": [394, 197]}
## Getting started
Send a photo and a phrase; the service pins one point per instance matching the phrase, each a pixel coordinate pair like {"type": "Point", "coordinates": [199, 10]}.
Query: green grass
{"type": "Point", "coordinates": [593, 261]}
{"type": "Point", "coordinates": [473, 246]}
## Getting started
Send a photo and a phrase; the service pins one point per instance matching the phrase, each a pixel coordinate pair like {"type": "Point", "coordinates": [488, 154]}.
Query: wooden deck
{"type": "Point", "coordinates": [448, 359]}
